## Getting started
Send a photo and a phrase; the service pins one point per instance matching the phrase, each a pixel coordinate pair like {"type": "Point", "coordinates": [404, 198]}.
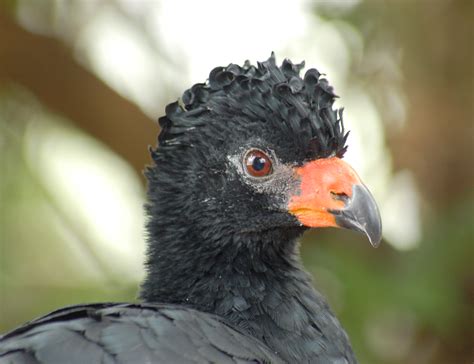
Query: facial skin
{"type": "Point", "coordinates": [325, 192]}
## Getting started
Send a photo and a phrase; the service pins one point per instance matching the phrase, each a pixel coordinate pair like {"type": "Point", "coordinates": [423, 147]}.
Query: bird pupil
{"type": "Point", "coordinates": [258, 163]}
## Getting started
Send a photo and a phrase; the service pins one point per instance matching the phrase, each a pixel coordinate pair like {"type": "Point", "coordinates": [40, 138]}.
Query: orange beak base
{"type": "Point", "coordinates": [332, 194]}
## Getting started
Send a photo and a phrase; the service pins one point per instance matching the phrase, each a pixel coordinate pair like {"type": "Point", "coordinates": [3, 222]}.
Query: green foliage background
{"type": "Point", "coordinates": [398, 306]}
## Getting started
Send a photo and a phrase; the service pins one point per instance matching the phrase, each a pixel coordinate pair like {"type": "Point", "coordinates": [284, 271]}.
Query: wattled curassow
{"type": "Point", "coordinates": [245, 163]}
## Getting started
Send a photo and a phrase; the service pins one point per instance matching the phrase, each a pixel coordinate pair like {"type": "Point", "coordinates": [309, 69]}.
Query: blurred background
{"type": "Point", "coordinates": [82, 84]}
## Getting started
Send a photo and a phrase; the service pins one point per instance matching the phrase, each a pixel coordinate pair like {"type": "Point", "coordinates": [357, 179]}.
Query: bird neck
{"type": "Point", "coordinates": [255, 281]}
{"type": "Point", "coordinates": [202, 273]}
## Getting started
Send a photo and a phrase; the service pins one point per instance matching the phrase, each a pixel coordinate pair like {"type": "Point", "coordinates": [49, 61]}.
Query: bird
{"type": "Point", "coordinates": [245, 163]}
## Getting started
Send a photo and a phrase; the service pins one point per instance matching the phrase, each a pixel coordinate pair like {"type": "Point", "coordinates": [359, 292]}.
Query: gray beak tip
{"type": "Point", "coordinates": [374, 242]}
{"type": "Point", "coordinates": [361, 214]}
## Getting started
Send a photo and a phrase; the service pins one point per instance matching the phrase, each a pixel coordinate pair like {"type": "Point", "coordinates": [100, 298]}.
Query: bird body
{"type": "Point", "coordinates": [131, 333]}
{"type": "Point", "coordinates": [245, 163]}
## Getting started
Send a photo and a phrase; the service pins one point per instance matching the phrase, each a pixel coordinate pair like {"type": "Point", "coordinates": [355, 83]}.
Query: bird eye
{"type": "Point", "coordinates": [257, 163]}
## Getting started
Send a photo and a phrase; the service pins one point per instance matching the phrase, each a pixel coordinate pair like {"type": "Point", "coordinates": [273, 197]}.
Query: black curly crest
{"type": "Point", "coordinates": [302, 107]}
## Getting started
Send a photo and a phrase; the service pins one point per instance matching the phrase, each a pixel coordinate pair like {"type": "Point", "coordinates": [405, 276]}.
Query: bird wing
{"type": "Point", "coordinates": [131, 333]}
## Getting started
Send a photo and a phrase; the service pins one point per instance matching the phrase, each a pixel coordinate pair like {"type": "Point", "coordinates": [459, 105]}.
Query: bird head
{"type": "Point", "coordinates": [257, 149]}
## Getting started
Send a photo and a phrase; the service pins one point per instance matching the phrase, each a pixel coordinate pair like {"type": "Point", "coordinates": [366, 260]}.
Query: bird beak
{"type": "Point", "coordinates": [331, 193]}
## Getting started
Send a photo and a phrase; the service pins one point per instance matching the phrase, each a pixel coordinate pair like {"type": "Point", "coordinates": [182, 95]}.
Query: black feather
{"type": "Point", "coordinates": [222, 257]}
{"type": "Point", "coordinates": [130, 333]}
{"type": "Point", "coordinates": [233, 89]}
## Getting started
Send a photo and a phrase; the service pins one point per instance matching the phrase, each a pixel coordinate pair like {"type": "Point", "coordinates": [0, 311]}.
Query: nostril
{"type": "Point", "coordinates": [340, 196]}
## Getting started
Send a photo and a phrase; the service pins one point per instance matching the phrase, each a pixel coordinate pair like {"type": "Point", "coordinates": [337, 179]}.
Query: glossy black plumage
{"type": "Point", "coordinates": [220, 242]}
{"type": "Point", "coordinates": [128, 333]}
